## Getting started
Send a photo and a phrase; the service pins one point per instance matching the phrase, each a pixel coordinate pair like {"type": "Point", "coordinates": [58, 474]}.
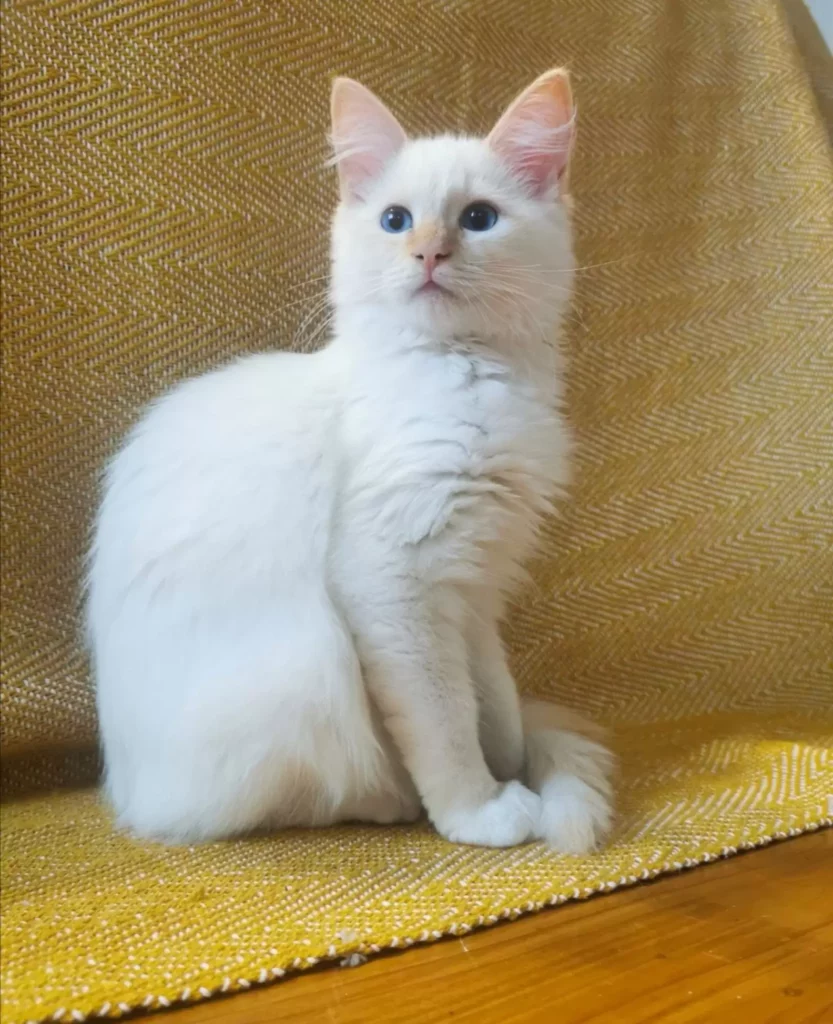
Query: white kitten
{"type": "Point", "coordinates": [301, 560]}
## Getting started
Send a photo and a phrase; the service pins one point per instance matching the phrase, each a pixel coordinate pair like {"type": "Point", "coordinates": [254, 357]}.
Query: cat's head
{"type": "Point", "coordinates": [459, 236]}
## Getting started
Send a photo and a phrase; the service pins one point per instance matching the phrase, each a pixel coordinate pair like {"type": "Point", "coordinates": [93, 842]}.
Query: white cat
{"type": "Point", "coordinates": [301, 560]}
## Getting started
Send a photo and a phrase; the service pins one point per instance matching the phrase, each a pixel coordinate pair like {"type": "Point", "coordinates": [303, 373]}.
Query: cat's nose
{"type": "Point", "coordinates": [430, 256]}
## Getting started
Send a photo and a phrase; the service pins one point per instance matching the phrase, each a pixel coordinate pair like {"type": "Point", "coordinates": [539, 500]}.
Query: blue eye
{"type": "Point", "coordinates": [396, 219]}
{"type": "Point", "coordinates": [478, 217]}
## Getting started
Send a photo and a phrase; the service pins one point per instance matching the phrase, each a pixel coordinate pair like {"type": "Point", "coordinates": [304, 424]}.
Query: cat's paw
{"type": "Point", "coordinates": [510, 818]}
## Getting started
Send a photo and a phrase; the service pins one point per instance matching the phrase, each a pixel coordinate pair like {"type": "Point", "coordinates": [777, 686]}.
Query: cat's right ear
{"type": "Point", "coordinates": [365, 135]}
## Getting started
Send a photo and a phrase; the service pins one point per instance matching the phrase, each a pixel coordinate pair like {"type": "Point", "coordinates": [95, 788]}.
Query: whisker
{"type": "Point", "coordinates": [308, 280]}
{"type": "Point", "coordinates": [316, 296]}
{"type": "Point", "coordinates": [577, 270]}
{"type": "Point", "coordinates": [502, 280]}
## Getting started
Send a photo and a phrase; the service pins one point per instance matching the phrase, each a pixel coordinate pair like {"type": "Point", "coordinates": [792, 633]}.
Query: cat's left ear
{"type": "Point", "coordinates": [534, 137]}
{"type": "Point", "coordinates": [365, 135]}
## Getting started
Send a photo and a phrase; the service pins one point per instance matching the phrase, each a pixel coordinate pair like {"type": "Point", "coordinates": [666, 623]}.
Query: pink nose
{"type": "Point", "coordinates": [430, 256]}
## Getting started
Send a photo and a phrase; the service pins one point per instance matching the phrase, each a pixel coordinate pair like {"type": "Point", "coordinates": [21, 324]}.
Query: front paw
{"type": "Point", "coordinates": [509, 818]}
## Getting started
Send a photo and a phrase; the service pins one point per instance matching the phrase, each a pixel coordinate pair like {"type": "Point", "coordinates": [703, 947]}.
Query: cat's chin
{"type": "Point", "coordinates": [433, 309]}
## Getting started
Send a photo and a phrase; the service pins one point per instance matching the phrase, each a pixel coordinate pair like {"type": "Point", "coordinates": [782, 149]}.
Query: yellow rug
{"type": "Point", "coordinates": [96, 924]}
{"type": "Point", "coordinates": [165, 207]}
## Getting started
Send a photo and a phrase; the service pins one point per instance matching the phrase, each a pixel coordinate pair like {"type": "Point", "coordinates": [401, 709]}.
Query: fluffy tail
{"type": "Point", "coordinates": [570, 767]}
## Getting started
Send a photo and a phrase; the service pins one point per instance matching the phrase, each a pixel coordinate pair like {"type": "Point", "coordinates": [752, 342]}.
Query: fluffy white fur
{"type": "Point", "coordinates": [300, 561]}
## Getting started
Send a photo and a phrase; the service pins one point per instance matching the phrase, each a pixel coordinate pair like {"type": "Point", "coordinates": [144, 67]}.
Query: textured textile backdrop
{"type": "Point", "coordinates": [165, 209]}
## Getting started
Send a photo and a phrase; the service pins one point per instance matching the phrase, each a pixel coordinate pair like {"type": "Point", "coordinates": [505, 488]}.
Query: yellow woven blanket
{"type": "Point", "coordinates": [165, 207]}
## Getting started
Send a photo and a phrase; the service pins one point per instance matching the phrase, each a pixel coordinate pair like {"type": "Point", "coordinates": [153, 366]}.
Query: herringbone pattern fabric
{"type": "Point", "coordinates": [165, 208]}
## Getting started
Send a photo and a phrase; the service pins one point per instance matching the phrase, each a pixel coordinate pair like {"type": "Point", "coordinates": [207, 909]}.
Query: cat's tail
{"type": "Point", "coordinates": [570, 767]}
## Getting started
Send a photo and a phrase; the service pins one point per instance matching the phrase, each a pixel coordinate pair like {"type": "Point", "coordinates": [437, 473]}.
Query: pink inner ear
{"type": "Point", "coordinates": [535, 135]}
{"type": "Point", "coordinates": [365, 136]}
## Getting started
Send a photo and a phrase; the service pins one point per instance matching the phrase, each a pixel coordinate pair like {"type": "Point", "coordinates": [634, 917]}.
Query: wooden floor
{"type": "Point", "coordinates": [747, 940]}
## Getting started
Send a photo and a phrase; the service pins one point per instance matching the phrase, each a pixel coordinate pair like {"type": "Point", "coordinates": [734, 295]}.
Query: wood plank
{"type": "Point", "coordinates": [748, 939]}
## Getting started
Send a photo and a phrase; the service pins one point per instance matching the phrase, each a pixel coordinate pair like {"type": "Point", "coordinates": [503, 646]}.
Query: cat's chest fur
{"type": "Point", "coordinates": [453, 451]}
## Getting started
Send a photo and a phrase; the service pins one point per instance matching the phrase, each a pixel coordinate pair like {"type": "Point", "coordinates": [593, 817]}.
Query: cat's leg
{"type": "Point", "coordinates": [415, 659]}
{"type": "Point", "coordinates": [501, 728]}
{"type": "Point", "coordinates": [268, 729]}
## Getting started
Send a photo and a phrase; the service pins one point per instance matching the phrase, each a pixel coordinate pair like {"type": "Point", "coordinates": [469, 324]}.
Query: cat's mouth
{"type": "Point", "coordinates": [433, 288]}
